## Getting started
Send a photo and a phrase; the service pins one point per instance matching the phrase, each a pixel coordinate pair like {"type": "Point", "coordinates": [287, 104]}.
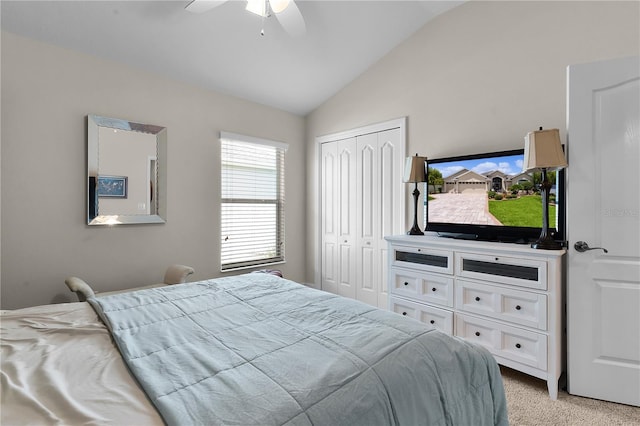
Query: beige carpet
{"type": "Point", "coordinates": [529, 405]}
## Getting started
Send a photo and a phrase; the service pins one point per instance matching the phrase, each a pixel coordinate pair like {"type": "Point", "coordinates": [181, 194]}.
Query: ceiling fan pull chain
{"type": "Point", "coordinates": [267, 13]}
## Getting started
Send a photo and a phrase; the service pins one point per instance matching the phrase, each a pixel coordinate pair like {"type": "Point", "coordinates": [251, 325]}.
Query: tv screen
{"type": "Point", "coordinates": [488, 197]}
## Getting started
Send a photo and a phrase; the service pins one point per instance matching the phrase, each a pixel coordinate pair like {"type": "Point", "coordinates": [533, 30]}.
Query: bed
{"type": "Point", "coordinates": [250, 349]}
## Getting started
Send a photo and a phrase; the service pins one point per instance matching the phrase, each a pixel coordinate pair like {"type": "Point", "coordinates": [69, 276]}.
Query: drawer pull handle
{"type": "Point", "coordinates": [433, 289]}
{"type": "Point", "coordinates": [406, 283]}
{"type": "Point", "coordinates": [432, 321]}
{"type": "Point", "coordinates": [478, 333]}
{"type": "Point", "coordinates": [477, 298]}
{"type": "Point", "coordinates": [419, 249]}
{"type": "Point", "coordinates": [497, 259]}
{"type": "Point", "coordinates": [518, 345]}
{"type": "Point", "coordinates": [518, 307]}
{"type": "Point", "coordinates": [404, 313]}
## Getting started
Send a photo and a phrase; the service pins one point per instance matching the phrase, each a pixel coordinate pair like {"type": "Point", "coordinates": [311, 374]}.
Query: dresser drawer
{"type": "Point", "coordinates": [440, 319]}
{"type": "Point", "coordinates": [431, 288]}
{"type": "Point", "coordinates": [512, 343]}
{"type": "Point", "coordinates": [515, 306]}
{"type": "Point", "coordinates": [502, 269]}
{"type": "Point", "coordinates": [422, 259]}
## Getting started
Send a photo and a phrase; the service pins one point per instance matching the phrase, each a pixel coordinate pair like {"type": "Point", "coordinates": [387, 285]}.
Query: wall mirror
{"type": "Point", "coordinates": [126, 172]}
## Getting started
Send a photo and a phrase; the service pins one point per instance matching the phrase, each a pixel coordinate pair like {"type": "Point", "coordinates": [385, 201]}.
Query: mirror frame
{"type": "Point", "coordinates": [94, 122]}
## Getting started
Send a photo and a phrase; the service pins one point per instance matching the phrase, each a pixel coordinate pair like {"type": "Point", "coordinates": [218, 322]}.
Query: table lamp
{"type": "Point", "coordinates": [414, 172]}
{"type": "Point", "coordinates": [543, 151]}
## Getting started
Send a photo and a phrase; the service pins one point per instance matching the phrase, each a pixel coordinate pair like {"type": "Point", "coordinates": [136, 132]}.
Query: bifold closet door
{"type": "Point", "coordinates": [379, 183]}
{"type": "Point", "coordinates": [368, 212]}
{"type": "Point", "coordinates": [329, 232]}
{"type": "Point", "coordinates": [361, 202]}
{"type": "Point", "coordinates": [391, 220]}
{"type": "Point", "coordinates": [339, 217]}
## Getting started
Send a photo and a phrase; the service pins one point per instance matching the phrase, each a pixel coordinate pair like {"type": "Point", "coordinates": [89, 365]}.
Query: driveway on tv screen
{"type": "Point", "coordinates": [467, 207]}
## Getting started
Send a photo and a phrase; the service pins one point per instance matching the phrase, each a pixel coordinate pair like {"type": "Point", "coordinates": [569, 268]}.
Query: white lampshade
{"type": "Point", "coordinates": [543, 150]}
{"type": "Point", "coordinates": [414, 169]}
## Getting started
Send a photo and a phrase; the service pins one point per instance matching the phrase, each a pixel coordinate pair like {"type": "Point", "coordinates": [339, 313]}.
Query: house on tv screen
{"type": "Point", "coordinates": [469, 181]}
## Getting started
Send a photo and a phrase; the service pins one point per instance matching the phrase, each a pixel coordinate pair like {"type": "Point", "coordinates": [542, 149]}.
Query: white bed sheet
{"type": "Point", "coordinates": [59, 365]}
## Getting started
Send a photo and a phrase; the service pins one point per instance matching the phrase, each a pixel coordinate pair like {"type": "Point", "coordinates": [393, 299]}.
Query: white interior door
{"type": "Point", "coordinates": [338, 162]}
{"type": "Point", "coordinates": [361, 198]}
{"type": "Point", "coordinates": [379, 168]}
{"type": "Point", "coordinates": [391, 217]}
{"type": "Point", "coordinates": [368, 212]}
{"type": "Point", "coordinates": [347, 217]}
{"type": "Point", "coordinates": [329, 209]}
{"type": "Point", "coordinates": [603, 210]}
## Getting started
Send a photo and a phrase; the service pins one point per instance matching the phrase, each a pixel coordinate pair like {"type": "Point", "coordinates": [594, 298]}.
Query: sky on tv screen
{"type": "Point", "coordinates": [510, 165]}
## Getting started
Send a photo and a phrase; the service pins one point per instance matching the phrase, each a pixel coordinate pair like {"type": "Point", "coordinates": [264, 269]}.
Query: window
{"type": "Point", "coordinates": [252, 204]}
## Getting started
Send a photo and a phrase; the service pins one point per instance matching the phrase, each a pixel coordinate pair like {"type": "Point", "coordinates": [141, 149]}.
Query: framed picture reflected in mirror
{"type": "Point", "coordinates": [112, 186]}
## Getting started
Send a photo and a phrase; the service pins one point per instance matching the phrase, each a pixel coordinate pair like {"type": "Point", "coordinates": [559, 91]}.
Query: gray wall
{"type": "Point", "coordinates": [476, 79]}
{"type": "Point", "coordinates": [47, 93]}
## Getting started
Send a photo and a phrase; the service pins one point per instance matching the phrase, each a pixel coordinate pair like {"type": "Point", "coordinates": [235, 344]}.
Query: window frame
{"type": "Point", "coordinates": [250, 260]}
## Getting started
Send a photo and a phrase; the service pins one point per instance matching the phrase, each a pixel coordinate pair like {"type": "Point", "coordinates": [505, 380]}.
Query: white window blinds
{"type": "Point", "coordinates": [252, 204]}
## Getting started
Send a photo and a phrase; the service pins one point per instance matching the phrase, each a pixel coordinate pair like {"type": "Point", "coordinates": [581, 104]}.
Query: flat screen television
{"type": "Point", "coordinates": [488, 197]}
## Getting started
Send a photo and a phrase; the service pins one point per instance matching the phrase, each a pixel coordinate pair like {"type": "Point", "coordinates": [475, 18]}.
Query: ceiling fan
{"type": "Point", "coordinates": [286, 11]}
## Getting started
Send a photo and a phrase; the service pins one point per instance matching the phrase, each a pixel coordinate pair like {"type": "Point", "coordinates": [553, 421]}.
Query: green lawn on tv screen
{"type": "Point", "coordinates": [523, 211]}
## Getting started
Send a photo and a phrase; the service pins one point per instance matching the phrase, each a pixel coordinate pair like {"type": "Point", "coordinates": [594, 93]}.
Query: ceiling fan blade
{"type": "Point", "coordinates": [292, 21]}
{"type": "Point", "coordinates": [200, 6]}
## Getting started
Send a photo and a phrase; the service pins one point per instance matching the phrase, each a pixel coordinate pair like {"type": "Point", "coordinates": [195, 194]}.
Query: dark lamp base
{"type": "Point", "coordinates": [546, 244]}
{"type": "Point", "coordinates": [415, 231]}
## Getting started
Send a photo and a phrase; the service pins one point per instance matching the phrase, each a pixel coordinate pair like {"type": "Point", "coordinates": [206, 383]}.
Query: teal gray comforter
{"type": "Point", "coordinates": [259, 349]}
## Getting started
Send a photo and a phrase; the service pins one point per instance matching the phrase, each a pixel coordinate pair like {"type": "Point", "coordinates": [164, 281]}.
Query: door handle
{"type": "Point", "coordinates": [581, 247]}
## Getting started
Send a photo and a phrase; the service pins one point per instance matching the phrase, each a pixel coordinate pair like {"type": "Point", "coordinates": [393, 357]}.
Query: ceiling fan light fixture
{"type": "Point", "coordinates": [278, 5]}
{"type": "Point", "coordinates": [259, 7]}
{"type": "Point", "coordinates": [265, 7]}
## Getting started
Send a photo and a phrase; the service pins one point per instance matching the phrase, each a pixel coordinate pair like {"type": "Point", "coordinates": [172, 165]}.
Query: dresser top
{"type": "Point", "coordinates": [439, 242]}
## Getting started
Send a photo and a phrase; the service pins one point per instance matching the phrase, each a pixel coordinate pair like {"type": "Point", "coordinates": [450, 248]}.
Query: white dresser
{"type": "Point", "coordinates": [506, 297]}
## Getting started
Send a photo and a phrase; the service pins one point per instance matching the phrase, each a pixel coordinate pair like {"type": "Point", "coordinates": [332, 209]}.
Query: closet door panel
{"type": "Point", "coordinates": [390, 178]}
{"type": "Point", "coordinates": [368, 278]}
{"type": "Point", "coordinates": [347, 216]}
{"type": "Point", "coordinates": [368, 209]}
{"type": "Point", "coordinates": [367, 186]}
{"type": "Point", "coordinates": [329, 232]}
{"type": "Point", "coordinates": [391, 164]}
{"type": "Point", "coordinates": [329, 268]}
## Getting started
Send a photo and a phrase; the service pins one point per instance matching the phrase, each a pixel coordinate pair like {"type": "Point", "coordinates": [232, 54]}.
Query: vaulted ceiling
{"type": "Point", "coordinates": [223, 49]}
